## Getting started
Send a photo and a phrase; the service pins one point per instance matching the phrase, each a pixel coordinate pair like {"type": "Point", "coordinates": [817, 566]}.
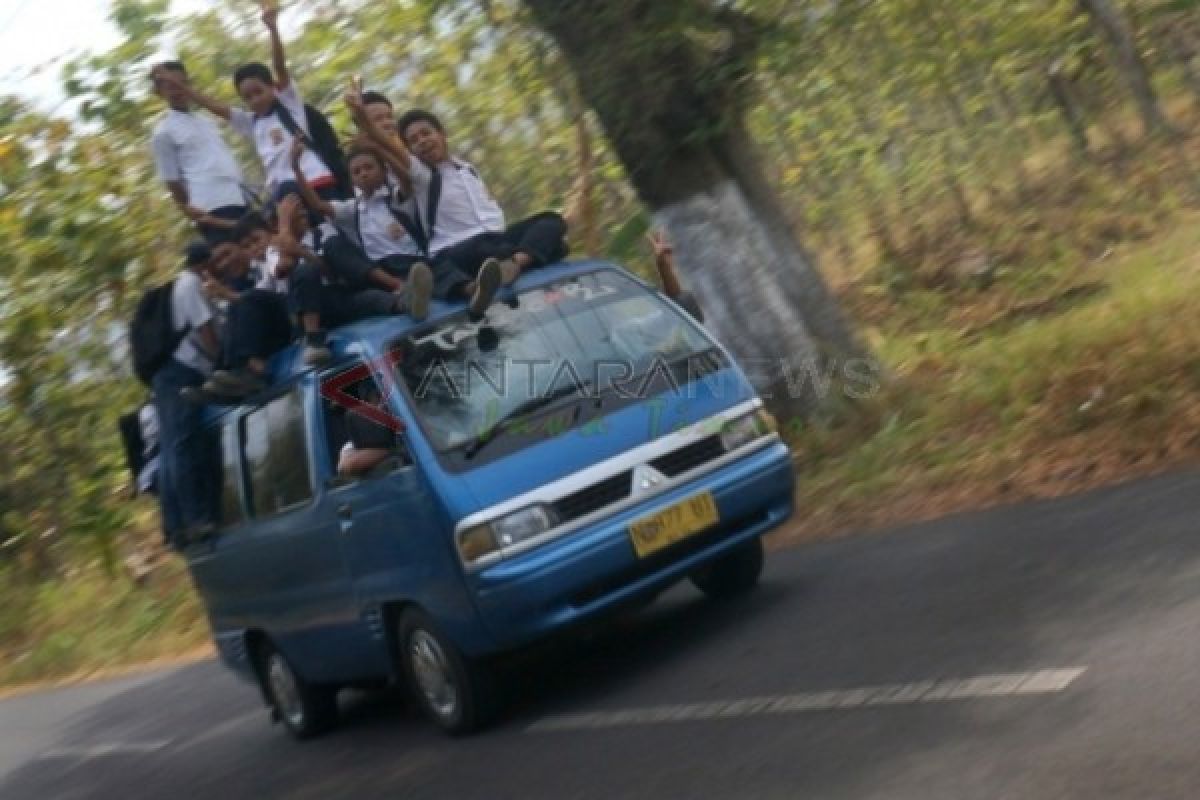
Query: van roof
{"type": "Point", "coordinates": [288, 364]}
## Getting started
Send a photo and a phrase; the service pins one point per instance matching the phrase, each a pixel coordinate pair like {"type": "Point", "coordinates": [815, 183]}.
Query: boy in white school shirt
{"type": "Point", "coordinates": [464, 227]}
{"type": "Point", "coordinates": [268, 97]}
{"type": "Point", "coordinates": [193, 160]}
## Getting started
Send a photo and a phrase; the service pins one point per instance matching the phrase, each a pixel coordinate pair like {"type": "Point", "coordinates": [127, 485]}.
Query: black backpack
{"type": "Point", "coordinates": [152, 334]}
{"type": "Point", "coordinates": [322, 139]}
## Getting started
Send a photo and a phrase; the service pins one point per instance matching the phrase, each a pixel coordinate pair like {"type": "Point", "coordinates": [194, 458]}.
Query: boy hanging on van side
{"type": "Point", "coordinates": [193, 160]}
{"type": "Point", "coordinates": [186, 466]}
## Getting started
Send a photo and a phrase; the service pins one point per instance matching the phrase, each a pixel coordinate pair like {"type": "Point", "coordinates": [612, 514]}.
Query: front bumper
{"type": "Point", "coordinates": [596, 569]}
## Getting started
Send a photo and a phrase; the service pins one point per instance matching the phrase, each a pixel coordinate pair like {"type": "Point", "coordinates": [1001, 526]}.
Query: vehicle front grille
{"type": "Point", "coordinates": [689, 457]}
{"type": "Point", "coordinates": [595, 497]}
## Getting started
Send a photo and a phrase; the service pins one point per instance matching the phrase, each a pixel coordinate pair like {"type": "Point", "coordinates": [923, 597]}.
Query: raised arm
{"type": "Point", "coordinates": [664, 262]}
{"type": "Point", "coordinates": [307, 194]}
{"type": "Point", "coordinates": [210, 104]}
{"type": "Point", "coordinates": [392, 148]}
{"type": "Point", "coordinates": [270, 18]}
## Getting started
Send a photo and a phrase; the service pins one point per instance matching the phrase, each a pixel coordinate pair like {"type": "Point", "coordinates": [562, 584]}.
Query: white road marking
{"type": "Point", "coordinates": [102, 750]}
{"type": "Point", "coordinates": [1047, 681]}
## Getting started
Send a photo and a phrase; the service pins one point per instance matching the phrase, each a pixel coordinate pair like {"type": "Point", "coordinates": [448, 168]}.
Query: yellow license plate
{"type": "Point", "coordinates": [678, 522]}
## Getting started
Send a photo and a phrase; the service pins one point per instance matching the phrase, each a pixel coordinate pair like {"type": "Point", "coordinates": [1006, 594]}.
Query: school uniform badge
{"type": "Point", "coordinates": [277, 136]}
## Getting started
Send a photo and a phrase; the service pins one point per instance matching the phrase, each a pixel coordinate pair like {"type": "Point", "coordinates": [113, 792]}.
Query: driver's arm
{"type": "Point", "coordinates": [354, 463]}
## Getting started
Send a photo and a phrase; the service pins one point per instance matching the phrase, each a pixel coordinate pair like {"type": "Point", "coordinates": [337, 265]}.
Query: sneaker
{"type": "Point", "coordinates": [316, 355]}
{"type": "Point", "coordinates": [316, 350]}
{"type": "Point", "coordinates": [239, 382]}
{"type": "Point", "coordinates": [510, 270]}
{"type": "Point", "coordinates": [420, 290]}
{"type": "Point", "coordinates": [486, 284]}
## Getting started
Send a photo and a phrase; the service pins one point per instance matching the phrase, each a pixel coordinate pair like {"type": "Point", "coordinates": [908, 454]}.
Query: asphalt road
{"type": "Point", "coordinates": [1043, 651]}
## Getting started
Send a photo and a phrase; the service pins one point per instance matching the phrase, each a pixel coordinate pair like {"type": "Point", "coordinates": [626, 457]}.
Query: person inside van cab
{"type": "Point", "coordinates": [370, 444]}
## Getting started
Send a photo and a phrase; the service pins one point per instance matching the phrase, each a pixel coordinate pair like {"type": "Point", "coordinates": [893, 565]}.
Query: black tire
{"type": "Point", "coordinates": [732, 575]}
{"type": "Point", "coordinates": [456, 693]}
{"type": "Point", "coordinates": [306, 710]}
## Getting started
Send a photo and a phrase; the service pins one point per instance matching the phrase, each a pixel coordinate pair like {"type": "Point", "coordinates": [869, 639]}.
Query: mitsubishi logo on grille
{"type": "Point", "coordinates": [646, 478]}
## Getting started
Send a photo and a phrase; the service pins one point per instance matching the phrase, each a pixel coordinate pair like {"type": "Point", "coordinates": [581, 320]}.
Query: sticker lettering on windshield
{"type": "Point", "coordinates": [448, 339]}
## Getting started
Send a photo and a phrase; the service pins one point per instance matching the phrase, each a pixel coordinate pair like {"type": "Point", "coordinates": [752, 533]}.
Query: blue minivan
{"type": "Point", "coordinates": [583, 447]}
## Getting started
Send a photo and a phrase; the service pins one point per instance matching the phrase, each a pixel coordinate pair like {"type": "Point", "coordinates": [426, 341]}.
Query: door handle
{"type": "Point", "coordinates": [345, 511]}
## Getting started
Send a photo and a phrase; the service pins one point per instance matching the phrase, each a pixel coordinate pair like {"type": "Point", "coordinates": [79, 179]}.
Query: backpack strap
{"type": "Point", "coordinates": [291, 126]}
{"type": "Point", "coordinates": [435, 199]}
{"type": "Point", "coordinates": [408, 222]}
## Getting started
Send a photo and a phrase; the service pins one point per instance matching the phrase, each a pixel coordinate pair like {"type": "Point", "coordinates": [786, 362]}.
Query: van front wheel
{"type": "Point", "coordinates": [733, 574]}
{"type": "Point", "coordinates": [305, 709]}
{"type": "Point", "coordinates": [455, 692]}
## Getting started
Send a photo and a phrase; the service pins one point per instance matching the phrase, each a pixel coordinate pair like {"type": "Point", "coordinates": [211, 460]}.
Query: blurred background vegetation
{"type": "Point", "coordinates": [1003, 199]}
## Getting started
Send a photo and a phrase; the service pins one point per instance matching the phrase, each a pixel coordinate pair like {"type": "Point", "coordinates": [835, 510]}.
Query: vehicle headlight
{"type": "Point", "coordinates": [491, 537]}
{"type": "Point", "coordinates": [745, 429]}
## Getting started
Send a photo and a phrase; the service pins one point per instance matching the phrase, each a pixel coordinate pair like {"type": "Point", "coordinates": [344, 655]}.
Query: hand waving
{"type": "Point", "coordinates": [353, 96]}
{"type": "Point", "coordinates": [660, 244]}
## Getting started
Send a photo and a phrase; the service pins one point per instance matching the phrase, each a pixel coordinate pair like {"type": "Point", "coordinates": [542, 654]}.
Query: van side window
{"type": "Point", "coordinates": [231, 476]}
{"type": "Point", "coordinates": [277, 456]}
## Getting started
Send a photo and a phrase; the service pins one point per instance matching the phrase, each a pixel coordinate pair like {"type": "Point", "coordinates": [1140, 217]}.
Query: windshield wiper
{"type": "Point", "coordinates": [523, 410]}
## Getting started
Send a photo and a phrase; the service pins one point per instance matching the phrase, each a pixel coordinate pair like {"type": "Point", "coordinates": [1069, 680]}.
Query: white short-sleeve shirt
{"type": "Point", "coordinates": [466, 207]}
{"type": "Point", "coordinates": [267, 279]}
{"type": "Point", "coordinates": [188, 148]}
{"type": "Point", "coordinates": [191, 310]}
{"type": "Point", "coordinates": [273, 142]}
{"type": "Point", "coordinates": [372, 221]}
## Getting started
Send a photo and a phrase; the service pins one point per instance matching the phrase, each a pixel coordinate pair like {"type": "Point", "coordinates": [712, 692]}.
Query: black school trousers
{"type": "Point", "coordinates": [542, 236]}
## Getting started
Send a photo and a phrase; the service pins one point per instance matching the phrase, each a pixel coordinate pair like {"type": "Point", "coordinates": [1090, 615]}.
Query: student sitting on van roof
{"type": "Point", "coordinates": [324, 298]}
{"type": "Point", "coordinates": [386, 253]}
{"type": "Point", "coordinates": [463, 225]}
{"type": "Point", "coordinates": [257, 322]}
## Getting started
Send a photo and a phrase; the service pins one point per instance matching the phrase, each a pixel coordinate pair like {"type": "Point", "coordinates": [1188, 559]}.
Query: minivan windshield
{"type": "Point", "coordinates": [582, 337]}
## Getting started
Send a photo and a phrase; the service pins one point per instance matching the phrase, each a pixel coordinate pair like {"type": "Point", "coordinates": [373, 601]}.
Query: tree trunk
{"type": "Point", "coordinates": [1068, 105]}
{"type": "Point", "coordinates": [1117, 31]}
{"type": "Point", "coordinates": [1181, 51]}
{"type": "Point", "coordinates": [673, 110]}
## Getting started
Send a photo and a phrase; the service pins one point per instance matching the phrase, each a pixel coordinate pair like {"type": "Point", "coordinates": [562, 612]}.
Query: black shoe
{"type": "Point", "coordinates": [236, 383]}
{"type": "Point", "coordinates": [205, 396]}
{"type": "Point", "coordinates": [316, 351]}
{"type": "Point", "coordinates": [197, 533]}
